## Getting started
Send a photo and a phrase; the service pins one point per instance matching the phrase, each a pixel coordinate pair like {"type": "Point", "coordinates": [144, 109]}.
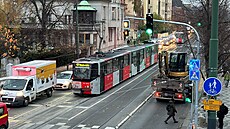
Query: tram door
{"type": "Point", "coordinates": [121, 66]}
{"type": "Point", "coordinates": [138, 61]}
{"type": "Point", "coordinates": [102, 76]}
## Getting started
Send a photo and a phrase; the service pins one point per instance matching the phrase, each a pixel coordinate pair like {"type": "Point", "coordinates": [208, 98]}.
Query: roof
{"type": "Point", "coordinates": [84, 5]}
{"type": "Point", "coordinates": [37, 63]}
{"type": "Point", "coordinates": [112, 54]}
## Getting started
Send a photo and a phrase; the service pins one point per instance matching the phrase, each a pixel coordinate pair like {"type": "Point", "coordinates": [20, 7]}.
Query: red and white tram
{"type": "Point", "coordinates": [94, 75]}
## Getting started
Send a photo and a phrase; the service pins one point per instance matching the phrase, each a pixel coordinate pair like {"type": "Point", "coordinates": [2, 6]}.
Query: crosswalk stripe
{"type": "Point", "coordinates": [64, 127]}
{"type": "Point", "coordinates": [95, 127]}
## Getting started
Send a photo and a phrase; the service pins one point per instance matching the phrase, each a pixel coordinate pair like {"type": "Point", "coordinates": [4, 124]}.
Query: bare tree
{"type": "Point", "coordinates": [50, 16]}
{"type": "Point", "coordinates": [201, 12]}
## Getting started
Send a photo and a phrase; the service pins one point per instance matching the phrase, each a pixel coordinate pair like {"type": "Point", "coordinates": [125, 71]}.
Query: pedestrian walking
{"type": "Point", "coordinates": [171, 110]}
{"type": "Point", "coordinates": [226, 78]}
{"type": "Point", "coordinates": [221, 114]}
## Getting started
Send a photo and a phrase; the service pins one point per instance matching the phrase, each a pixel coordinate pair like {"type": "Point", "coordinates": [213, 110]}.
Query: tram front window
{"type": "Point", "coordinates": [82, 73]}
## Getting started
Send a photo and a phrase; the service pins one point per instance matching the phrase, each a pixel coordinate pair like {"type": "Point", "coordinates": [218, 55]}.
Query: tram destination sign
{"type": "Point", "coordinates": [82, 65]}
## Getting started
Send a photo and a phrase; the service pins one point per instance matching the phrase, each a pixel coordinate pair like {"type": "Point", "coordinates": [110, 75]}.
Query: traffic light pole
{"type": "Point", "coordinates": [197, 56]}
{"type": "Point", "coordinates": [213, 52]}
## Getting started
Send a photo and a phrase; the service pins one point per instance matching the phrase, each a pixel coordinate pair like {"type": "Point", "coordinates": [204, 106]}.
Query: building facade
{"type": "Point", "coordinates": [100, 24]}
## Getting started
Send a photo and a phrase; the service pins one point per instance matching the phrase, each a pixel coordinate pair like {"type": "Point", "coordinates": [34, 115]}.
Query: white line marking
{"type": "Point", "coordinates": [80, 126]}
{"type": "Point", "coordinates": [138, 107]}
{"type": "Point", "coordinates": [111, 93]}
{"type": "Point", "coordinates": [95, 127]}
{"type": "Point", "coordinates": [64, 127]}
{"type": "Point", "coordinates": [109, 128]}
{"type": "Point", "coordinates": [83, 107]}
{"type": "Point", "coordinates": [64, 106]}
{"type": "Point", "coordinates": [60, 123]}
{"type": "Point", "coordinates": [47, 126]}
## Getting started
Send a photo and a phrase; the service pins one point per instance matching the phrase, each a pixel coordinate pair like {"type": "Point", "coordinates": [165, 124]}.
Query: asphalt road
{"type": "Point", "coordinates": [116, 108]}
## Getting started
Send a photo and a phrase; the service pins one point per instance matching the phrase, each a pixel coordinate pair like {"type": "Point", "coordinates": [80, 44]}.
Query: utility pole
{"type": "Point", "coordinates": [213, 56]}
{"type": "Point", "coordinates": [77, 31]}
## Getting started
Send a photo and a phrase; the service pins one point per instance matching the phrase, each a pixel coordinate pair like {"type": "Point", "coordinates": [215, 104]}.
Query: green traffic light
{"type": "Point", "coordinates": [188, 100]}
{"type": "Point", "coordinates": [149, 31]}
{"type": "Point", "coordinates": [198, 24]}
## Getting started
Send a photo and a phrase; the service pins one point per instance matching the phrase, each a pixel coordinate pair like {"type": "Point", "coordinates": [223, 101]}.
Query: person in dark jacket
{"type": "Point", "coordinates": [171, 111]}
{"type": "Point", "coordinates": [221, 114]}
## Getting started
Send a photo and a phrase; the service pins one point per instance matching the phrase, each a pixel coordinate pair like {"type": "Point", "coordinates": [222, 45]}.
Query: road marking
{"type": "Point", "coordinates": [64, 106]}
{"type": "Point", "coordinates": [47, 126]}
{"type": "Point", "coordinates": [80, 126]}
{"type": "Point", "coordinates": [109, 128]}
{"type": "Point", "coordinates": [137, 108]}
{"type": "Point", "coordinates": [64, 127]}
{"type": "Point", "coordinates": [60, 123]}
{"type": "Point", "coordinates": [83, 107]}
{"type": "Point", "coordinates": [112, 93]}
{"type": "Point", "coordinates": [35, 105]}
{"type": "Point", "coordinates": [95, 127]}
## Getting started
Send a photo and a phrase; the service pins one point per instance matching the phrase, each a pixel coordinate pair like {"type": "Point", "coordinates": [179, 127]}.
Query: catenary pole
{"type": "Point", "coordinates": [197, 56]}
{"type": "Point", "coordinates": [76, 31]}
{"type": "Point", "coordinates": [213, 53]}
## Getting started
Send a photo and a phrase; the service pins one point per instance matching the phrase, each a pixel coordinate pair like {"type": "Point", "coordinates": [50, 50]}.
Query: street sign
{"type": "Point", "coordinates": [212, 102]}
{"type": "Point", "coordinates": [194, 70]}
{"type": "Point", "coordinates": [212, 107]}
{"type": "Point", "coordinates": [212, 86]}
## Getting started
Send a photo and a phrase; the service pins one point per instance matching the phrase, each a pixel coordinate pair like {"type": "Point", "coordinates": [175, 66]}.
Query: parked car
{"type": "Point", "coordinates": [4, 123]}
{"type": "Point", "coordinates": [64, 80]}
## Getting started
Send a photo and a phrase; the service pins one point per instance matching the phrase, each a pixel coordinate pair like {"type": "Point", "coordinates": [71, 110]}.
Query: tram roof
{"type": "Point", "coordinates": [112, 54]}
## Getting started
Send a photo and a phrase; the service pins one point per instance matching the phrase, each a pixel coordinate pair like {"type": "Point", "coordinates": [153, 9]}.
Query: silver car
{"type": "Point", "coordinates": [64, 80]}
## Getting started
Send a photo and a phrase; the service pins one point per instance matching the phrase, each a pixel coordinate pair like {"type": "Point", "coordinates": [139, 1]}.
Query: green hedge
{"type": "Point", "coordinates": [62, 57]}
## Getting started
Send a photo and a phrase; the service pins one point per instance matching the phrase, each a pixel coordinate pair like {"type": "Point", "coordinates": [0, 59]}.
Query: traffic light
{"type": "Point", "coordinates": [188, 100]}
{"type": "Point", "coordinates": [126, 24]}
{"type": "Point", "coordinates": [126, 33]}
{"type": "Point", "coordinates": [199, 24]}
{"type": "Point", "coordinates": [149, 24]}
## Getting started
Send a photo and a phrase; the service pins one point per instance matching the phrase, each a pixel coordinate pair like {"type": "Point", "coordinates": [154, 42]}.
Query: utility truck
{"type": "Point", "coordinates": [172, 80]}
{"type": "Point", "coordinates": [28, 80]}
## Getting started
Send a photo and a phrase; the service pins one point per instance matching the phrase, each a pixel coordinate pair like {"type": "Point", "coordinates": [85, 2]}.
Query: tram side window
{"type": "Point", "coordinates": [115, 64]}
{"type": "Point", "coordinates": [148, 51]}
{"type": "Point", "coordinates": [141, 55]}
{"type": "Point", "coordinates": [109, 67]}
{"type": "Point", "coordinates": [126, 60]}
{"type": "Point", "coordinates": [134, 58]}
{"type": "Point", "coordinates": [103, 69]}
{"type": "Point", "coordinates": [94, 71]}
{"type": "Point", "coordinates": [153, 50]}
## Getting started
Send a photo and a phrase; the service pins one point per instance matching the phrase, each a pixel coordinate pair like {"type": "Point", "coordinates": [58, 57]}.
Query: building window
{"type": "Point", "coordinates": [113, 13]}
{"type": "Point", "coordinates": [118, 34]}
{"type": "Point", "coordinates": [149, 1]}
{"type": "Point", "coordinates": [110, 34]}
{"type": "Point", "coordinates": [104, 10]}
{"type": "Point", "coordinates": [118, 13]}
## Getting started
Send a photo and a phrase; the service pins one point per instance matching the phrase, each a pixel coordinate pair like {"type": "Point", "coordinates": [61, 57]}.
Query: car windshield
{"type": "Point", "coordinates": [82, 73]}
{"type": "Point", "coordinates": [63, 76]}
{"type": "Point", "coordinates": [13, 84]}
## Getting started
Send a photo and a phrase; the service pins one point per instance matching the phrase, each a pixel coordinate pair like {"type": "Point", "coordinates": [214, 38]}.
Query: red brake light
{"type": "Point", "coordinates": [157, 94]}
{"type": "Point", "coordinates": [179, 96]}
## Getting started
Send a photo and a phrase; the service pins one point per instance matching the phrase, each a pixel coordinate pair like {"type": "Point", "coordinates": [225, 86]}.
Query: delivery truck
{"type": "Point", "coordinates": [28, 80]}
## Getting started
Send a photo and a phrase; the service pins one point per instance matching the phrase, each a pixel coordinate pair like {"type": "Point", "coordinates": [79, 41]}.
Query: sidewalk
{"type": "Point", "coordinates": [202, 114]}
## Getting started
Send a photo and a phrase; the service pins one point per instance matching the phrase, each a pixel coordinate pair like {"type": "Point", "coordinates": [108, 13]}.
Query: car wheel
{"type": "Point", "coordinates": [26, 102]}
{"type": "Point", "coordinates": [70, 86]}
{"type": "Point", "coordinates": [49, 92]}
